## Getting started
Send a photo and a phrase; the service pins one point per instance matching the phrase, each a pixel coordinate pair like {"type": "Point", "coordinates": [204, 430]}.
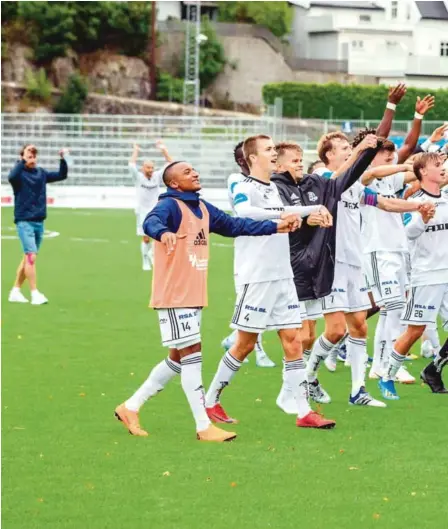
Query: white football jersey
{"type": "Point", "coordinates": [349, 248]}
{"type": "Point", "coordinates": [265, 258]}
{"type": "Point", "coordinates": [429, 242]}
{"type": "Point", "coordinates": [383, 231]}
{"type": "Point", "coordinates": [147, 190]}
{"type": "Point", "coordinates": [234, 178]}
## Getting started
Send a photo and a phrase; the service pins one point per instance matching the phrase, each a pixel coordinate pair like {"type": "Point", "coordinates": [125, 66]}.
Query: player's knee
{"type": "Point", "coordinates": [359, 329]}
{"type": "Point", "coordinates": [336, 332]}
{"type": "Point", "coordinates": [414, 332]}
{"type": "Point", "coordinates": [30, 259]}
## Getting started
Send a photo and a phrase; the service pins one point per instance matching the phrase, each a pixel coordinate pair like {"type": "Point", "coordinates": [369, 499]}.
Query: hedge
{"type": "Point", "coordinates": [336, 101]}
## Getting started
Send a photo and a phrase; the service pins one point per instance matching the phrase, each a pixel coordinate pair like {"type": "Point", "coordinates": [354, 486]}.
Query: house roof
{"type": "Point", "coordinates": [433, 10]}
{"type": "Point", "coordinates": [347, 4]}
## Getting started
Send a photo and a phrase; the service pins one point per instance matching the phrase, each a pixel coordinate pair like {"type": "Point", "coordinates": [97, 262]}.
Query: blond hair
{"type": "Point", "coordinates": [326, 144]}
{"type": "Point", "coordinates": [284, 146]}
{"type": "Point", "coordinates": [422, 160]}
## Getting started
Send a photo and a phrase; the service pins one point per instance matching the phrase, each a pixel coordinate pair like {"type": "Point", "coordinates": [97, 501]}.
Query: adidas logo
{"type": "Point", "coordinates": [200, 239]}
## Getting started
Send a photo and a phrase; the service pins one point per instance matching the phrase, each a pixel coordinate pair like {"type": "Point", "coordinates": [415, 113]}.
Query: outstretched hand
{"type": "Point", "coordinates": [396, 93]}
{"type": "Point", "coordinates": [169, 240]}
{"type": "Point", "coordinates": [438, 133]}
{"type": "Point", "coordinates": [423, 105]}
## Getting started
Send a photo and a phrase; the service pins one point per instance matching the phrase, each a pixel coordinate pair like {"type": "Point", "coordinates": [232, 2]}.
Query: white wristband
{"type": "Point", "coordinates": [391, 106]}
{"type": "Point", "coordinates": [418, 116]}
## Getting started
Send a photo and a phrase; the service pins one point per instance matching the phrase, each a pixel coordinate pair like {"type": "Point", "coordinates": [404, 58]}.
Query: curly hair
{"type": "Point", "coordinates": [361, 135]}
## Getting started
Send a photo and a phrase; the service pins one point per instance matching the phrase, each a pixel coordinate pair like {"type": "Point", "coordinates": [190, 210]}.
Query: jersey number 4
{"type": "Point", "coordinates": [246, 317]}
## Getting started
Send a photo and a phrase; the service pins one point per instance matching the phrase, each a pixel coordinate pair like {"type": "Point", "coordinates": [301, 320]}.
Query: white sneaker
{"type": "Point", "coordinates": [15, 296]}
{"type": "Point", "coordinates": [263, 360]}
{"type": "Point", "coordinates": [286, 402]}
{"type": "Point", "coordinates": [146, 265]}
{"type": "Point", "coordinates": [427, 350]}
{"type": "Point", "coordinates": [404, 377]}
{"type": "Point", "coordinates": [363, 398]}
{"type": "Point", "coordinates": [37, 298]}
{"type": "Point", "coordinates": [330, 364]}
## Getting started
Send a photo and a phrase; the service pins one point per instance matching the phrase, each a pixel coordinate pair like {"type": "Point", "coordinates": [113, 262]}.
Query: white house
{"type": "Point", "coordinates": [389, 39]}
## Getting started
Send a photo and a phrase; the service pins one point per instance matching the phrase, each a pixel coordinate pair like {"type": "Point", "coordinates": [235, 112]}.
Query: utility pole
{"type": "Point", "coordinates": [192, 43]}
{"type": "Point", "coordinates": [152, 53]}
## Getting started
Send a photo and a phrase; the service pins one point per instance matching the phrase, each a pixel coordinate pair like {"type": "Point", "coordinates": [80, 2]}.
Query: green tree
{"type": "Point", "coordinates": [73, 96]}
{"type": "Point", "coordinates": [169, 88]}
{"type": "Point", "coordinates": [276, 16]}
{"type": "Point", "coordinates": [38, 86]}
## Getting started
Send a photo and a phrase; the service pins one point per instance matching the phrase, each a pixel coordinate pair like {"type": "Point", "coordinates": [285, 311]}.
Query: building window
{"type": "Point", "coordinates": [444, 49]}
{"type": "Point", "coordinates": [394, 9]}
{"type": "Point", "coordinates": [358, 44]}
{"type": "Point", "coordinates": [365, 18]}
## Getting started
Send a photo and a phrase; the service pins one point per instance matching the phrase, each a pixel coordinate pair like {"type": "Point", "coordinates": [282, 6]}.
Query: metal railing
{"type": "Point", "coordinates": [101, 144]}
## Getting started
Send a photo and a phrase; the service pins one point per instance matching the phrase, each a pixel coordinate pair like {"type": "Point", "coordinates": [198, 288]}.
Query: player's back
{"type": "Point", "coordinates": [429, 251]}
{"type": "Point", "coordinates": [266, 258]}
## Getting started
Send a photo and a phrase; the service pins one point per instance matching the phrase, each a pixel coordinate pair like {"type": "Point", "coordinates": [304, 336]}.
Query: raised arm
{"type": "Point", "coordinates": [58, 176]}
{"type": "Point", "coordinates": [134, 156]}
{"type": "Point", "coordinates": [162, 148]}
{"type": "Point", "coordinates": [410, 143]}
{"type": "Point", "coordinates": [381, 171]}
{"type": "Point", "coordinates": [396, 94]}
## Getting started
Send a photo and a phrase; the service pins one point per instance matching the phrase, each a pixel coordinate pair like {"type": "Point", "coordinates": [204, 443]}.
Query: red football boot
{"type": "Point", "coordinates": [217, 414]}
{"type": "Point", "coordinates": [315, 420]}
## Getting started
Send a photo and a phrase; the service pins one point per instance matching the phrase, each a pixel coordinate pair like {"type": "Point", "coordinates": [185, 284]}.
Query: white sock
{"type": "Point", "coordinates": [158, 378]}
{"type": "Point", "coordinates": [358, 358]}
{"type": "Point", "coordinates": [15, 289]}
{"type": "Point", "coordinates": [333, 356]}
{"type": "Point", "coordinates": [295, 377]}
{"type": "Point", "coordinates": [227, 369]}
{"type": "Point", "coordinates": [392, 329]}
{"type": "Point", "coordinates": [321, 349]}
{"type": "Point", "coordinates": [151, 252]}
{"type": "Point", "coordinates": [395, 362]}
{"type": "Point", "coordinates": [306, 355]}
{"type": "Point", "coordinates": [191, 380]}
{"type": "Point", "coordinates": [144, 248]}
{"type": "Point", "coordinates": [433, 336]}
{"type": "Point", "coordinates": [379, 343]}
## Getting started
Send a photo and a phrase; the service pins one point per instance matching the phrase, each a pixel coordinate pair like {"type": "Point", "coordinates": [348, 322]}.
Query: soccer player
{"type": "Point", "coordinates": [147, 187]}
{"type": "Point", "coordinates": [181, 223]}
{"type": "Point", "coordinates": [432, 374]}
{"type": "Point", "coordinates": [267, 298]}
{"type": "Point", "coordinates": [289, 172]}
{"type": "Point", "coordinates": [29, 184]}
{"type": "Point", "coordinates": [312, 168]}
{"type": "Point", "coordinates": [261, 357]}
{"type": "Point", "coordinates": [428, 233]}
{"type": "Point", "coordinates": [347, 305]}
{"type": "Point", "coordinates": [385, 257]}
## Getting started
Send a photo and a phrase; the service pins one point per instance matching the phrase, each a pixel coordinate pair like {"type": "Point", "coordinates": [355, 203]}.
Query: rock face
{"type": "Point", "coordinates": [116, 75]}
{"type": "Point", "coordinates": [16, 63]}
{"type": "Point", "coordinates": [62, 68]}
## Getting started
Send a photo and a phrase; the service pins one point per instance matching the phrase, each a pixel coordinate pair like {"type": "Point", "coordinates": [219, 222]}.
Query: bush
{"type": "Point", "coordinates": [276, 16]}
{"type": "Point", "coordinates": [73, 96]}
{"type": "Point", "coordinates": [348, 101]}
{"type": "Point", "coordinates": [169, 88]}
{"type": "Point", "coordinates": [38, 86]}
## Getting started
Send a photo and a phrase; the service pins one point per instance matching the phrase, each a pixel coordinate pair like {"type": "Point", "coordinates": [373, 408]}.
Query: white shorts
{"type": "Point", "coordinates": [140, 219]}
{"type": "Point", "coordinates": [267, 306]}
{"type": "Point", "coordinates": [349, 292]}
{"type": "Point", "coordinates": [180, 327]}
{"type": "Point", "coordinates": [311, 309]}
{"type": "Point", "coordinates": [387, 275]}
{"type": "Point", "coordinates": [424, 305]}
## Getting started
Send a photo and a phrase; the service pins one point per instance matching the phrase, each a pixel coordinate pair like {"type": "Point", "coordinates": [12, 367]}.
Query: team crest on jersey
{"type": "Point", "coordinates": [312, 197]}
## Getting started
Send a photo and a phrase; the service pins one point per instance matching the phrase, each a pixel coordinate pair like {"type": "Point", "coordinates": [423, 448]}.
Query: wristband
{"type": "Point", "coordinates": [418, 116]}
{"type": "Point", "coordinates": [391, 106]}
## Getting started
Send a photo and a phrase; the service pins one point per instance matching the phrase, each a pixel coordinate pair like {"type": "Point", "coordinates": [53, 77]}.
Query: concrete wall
{"type": "Point", "coordinates": [324, 46]}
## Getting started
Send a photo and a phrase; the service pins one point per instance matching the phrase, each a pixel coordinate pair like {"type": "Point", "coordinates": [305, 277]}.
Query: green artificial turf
{"type": "Point", "coordinates": [67, 464]}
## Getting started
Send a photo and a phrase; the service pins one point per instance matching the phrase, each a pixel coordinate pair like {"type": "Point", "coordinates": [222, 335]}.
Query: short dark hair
{"type": "Point", "coordinates": [167, 173]}
{"type": "Point", "coordinates": [238, 146]}
{"type": "Point", "coordinates": [313, 165]}
{"type": "Point", "coordinates": [22, 150]}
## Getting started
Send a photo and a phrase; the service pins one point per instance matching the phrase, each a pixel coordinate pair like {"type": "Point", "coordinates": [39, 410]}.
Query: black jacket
{"type": "Point", "coordinates": [313, 248]}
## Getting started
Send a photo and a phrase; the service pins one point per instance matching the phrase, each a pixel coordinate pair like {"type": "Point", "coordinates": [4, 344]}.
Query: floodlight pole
{"type": "Point", "coordinates": [192, 43]}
